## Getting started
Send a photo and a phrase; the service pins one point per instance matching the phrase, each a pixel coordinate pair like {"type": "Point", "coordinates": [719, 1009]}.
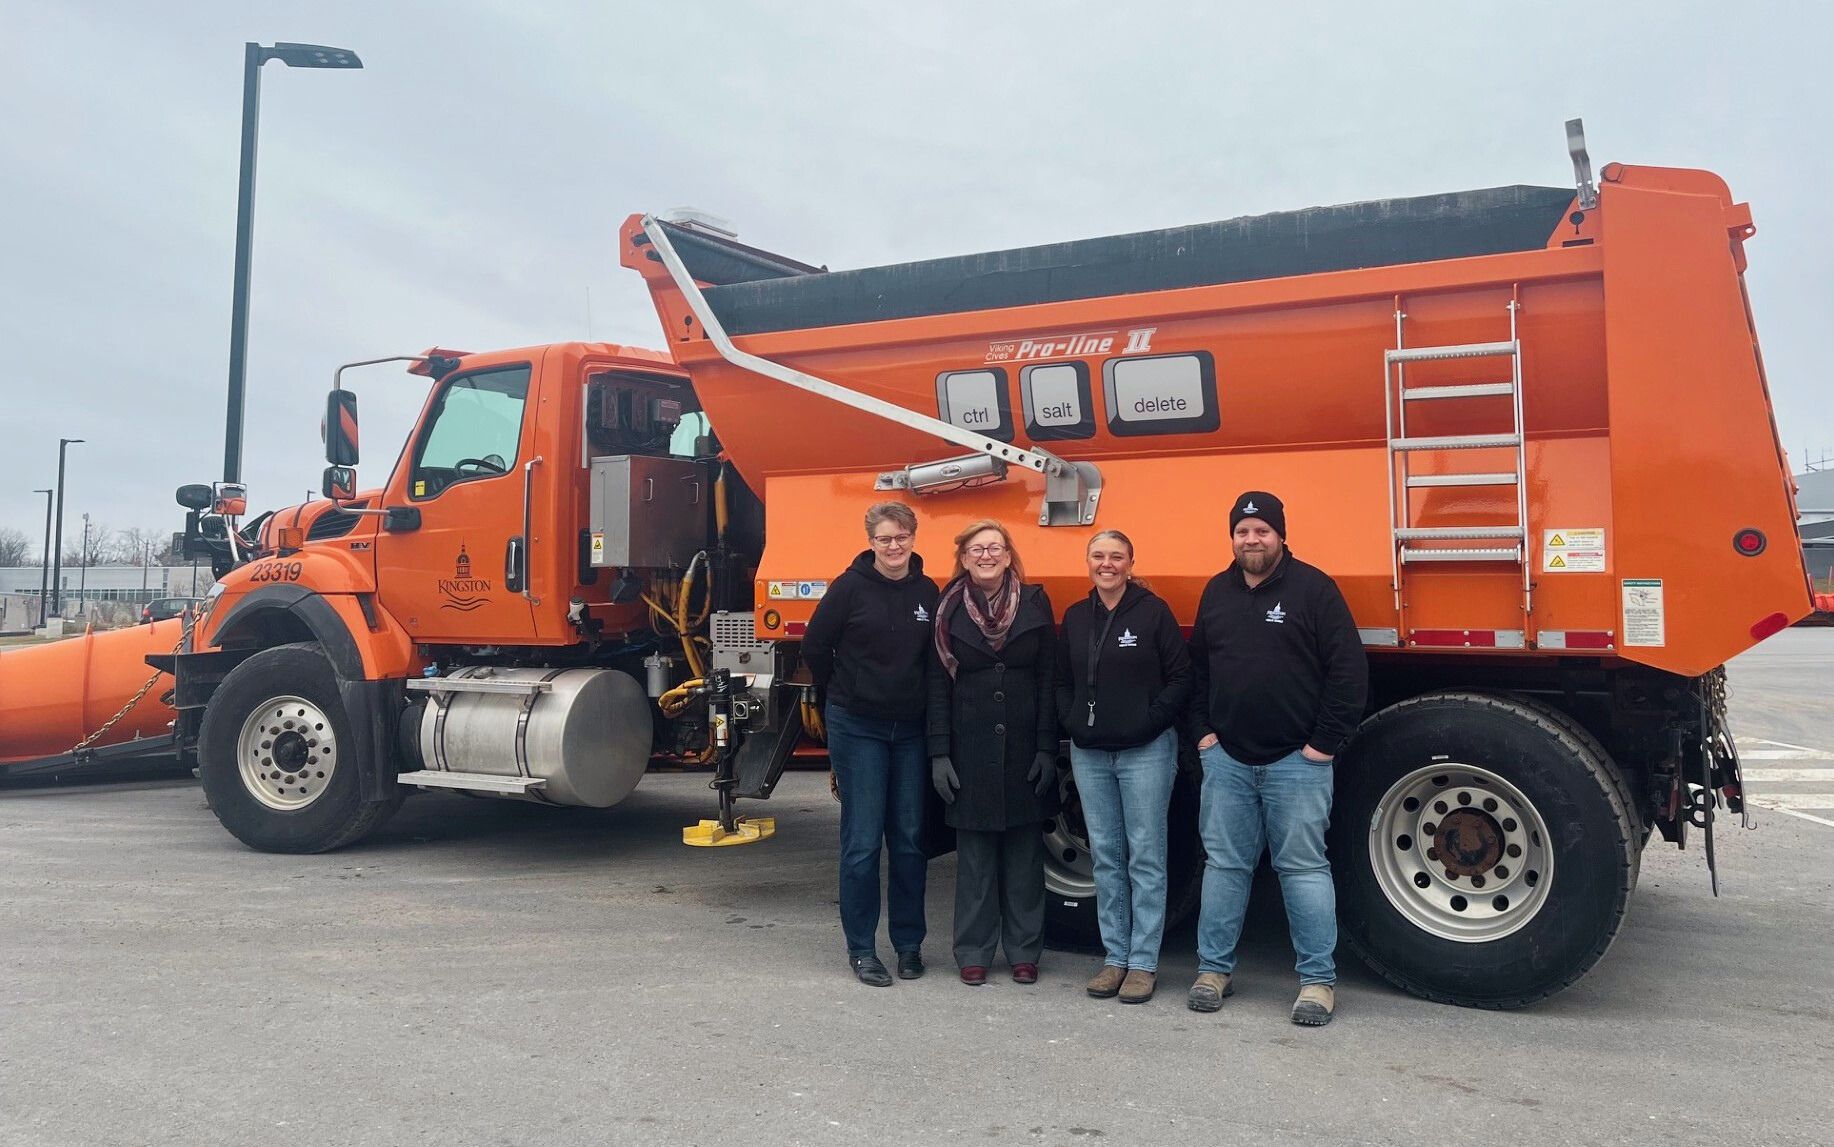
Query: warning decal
{"type": "Point", "coordinates": [797, 590]}
{"type": "Point", "coordinates": [1573, 551]}
{"type": "Point", "coordinates": [1643, 612]}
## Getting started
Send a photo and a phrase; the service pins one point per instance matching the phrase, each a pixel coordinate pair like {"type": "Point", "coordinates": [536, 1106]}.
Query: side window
{"type": "Point", "coordinates": [472, 431]}
{"type": "Point", "coordinates": [1163, 394]}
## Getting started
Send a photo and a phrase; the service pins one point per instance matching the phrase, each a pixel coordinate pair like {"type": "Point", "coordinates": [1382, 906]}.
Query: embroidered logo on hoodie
{"type": "Point", "coordinates": [1276, 614]}
{"type": "Point", "coordinates": [920, 613]}
{"type": "Point", "coordinates": [1128, 640]}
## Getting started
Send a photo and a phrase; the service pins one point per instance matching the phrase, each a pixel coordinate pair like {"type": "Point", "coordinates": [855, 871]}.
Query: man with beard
{"type": "Point", "coordinates": [1279, 684]}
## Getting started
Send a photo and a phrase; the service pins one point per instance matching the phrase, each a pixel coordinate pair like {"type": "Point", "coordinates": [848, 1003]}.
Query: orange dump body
{"type": "Point", "coordinates": [1649, 446]}
{"type": "Point", "coordinates": [53, 696]}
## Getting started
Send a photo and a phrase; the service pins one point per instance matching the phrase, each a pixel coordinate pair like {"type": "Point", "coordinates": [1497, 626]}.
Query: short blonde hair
{"type": "Point", "coordinates": [897, 512]}
{"type": "Point", "coordinates": [973, 528]}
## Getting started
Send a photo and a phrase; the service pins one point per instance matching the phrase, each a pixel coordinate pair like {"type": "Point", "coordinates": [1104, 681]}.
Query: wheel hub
{"type": "Point", "coordinates": [1461, 852]}
{"type": "Point", "coordinates": [1469, 843]}
{"type": "Point", "coordinates": [287, 753]}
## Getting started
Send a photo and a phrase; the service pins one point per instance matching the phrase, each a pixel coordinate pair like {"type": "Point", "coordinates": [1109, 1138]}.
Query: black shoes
{"type": "Point", "coordinates": [910, 965]}
{"type": "Point", "coordinates": [871, 971]}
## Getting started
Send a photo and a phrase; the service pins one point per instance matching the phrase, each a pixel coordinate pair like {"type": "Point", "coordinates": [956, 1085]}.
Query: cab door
{"type": "Point", "coordinates": [459, 576]}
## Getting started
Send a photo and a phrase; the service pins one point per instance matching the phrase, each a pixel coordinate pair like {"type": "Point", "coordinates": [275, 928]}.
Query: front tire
{"type": "Point", "coordinates": [276, 759]}
{"type": "Point", "coordinates": [1484, 849]}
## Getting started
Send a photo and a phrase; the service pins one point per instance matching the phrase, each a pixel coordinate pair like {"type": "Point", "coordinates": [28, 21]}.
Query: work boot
{"type": "Point", "coordinates": [910, 965]}
{"type": "Point", "coordinates": [1315, 1004]}
{"type": "Point", "coordinates": [1138, 987]}
{"type": "Point", "coordinates": [1210, 990]}
{"type": "Point", "coordinates": [871, 971]}
{"type": "Point", "coordinates": [1105, 983]}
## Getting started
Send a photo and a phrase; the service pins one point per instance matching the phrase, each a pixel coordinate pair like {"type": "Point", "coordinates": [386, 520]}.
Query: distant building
{"type": "Point", "coordinates": [110, 583]}
{"type": "Point", "coordinates": [1815, 499]}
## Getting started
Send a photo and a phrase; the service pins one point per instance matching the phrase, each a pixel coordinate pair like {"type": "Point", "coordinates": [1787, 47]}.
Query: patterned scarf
{"type": "Point", "coordinates": [994, 621]}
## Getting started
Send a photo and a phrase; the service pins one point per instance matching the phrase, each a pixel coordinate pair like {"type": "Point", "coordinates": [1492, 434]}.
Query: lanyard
{"type": "Point", "coordinates": [1095, 655]}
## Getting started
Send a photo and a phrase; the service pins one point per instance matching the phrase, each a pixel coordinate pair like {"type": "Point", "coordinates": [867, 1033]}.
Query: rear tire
{"type": "Point", "coordinates": [276, 759]}
{"type": "Point", "coordinates": [1533, 849]}
{"type": "Point", "coordinates": [1070, 922]}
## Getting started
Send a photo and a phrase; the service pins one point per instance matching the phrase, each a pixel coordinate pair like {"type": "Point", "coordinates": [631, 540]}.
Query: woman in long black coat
{"type": "Point", "coordinates": [993, 748]}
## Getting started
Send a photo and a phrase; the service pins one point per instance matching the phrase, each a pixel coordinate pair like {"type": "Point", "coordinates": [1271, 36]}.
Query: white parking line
{"type": "Point", "coordinates": [1774, 744]}
{"type": "Point", "coordinates": [1782, 801]}
{"type": "Point", "coordinates": [1785, 776]}
{"type": "Point", "coordinates": [1795, 813]}
{"type": "Point", "coordinates": [1781, 755]}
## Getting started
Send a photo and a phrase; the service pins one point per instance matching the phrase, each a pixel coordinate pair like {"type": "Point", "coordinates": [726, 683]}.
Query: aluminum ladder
{"type": "Point", "coordinates": [1411, 544]}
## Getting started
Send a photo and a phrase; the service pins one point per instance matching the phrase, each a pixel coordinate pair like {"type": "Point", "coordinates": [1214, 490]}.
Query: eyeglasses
{"type": "Point", "coordinates": [990, 550]}
{"type": "Point", "coordinates": [883, 540]}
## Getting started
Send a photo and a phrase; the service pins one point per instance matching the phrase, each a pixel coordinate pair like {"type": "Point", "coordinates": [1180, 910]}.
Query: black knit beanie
{"type": "Point", "coordinates": [1259, 504]}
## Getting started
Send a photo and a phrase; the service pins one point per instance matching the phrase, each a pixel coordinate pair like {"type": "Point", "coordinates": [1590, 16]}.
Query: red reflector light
{"type": "Point", "coordinates": [795, 628]}
{"type": "Point", "coordinates": [1457, 638]}
{"type": "Point", "coordinates": [1749, 543]}
{"type": "Point", "coordinates": [1764, 627]}
{"type": "Point", "coordinates": [1588, 639]}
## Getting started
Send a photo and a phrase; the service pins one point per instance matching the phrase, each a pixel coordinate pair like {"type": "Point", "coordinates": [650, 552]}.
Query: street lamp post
{"type": "Point", "coordinates": [82, 579]}
{"type": "Point", "coordinates": [255, 55]}
{"type": "Point", "coordinates": [44, 562]}
{"type": "Point", "coordinates": [57, 545]}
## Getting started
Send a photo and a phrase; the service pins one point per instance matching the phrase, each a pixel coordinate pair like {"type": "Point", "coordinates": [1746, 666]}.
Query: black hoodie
{"type": "Point", "coordinates": [1142, 671]}
{"type": "Point", "coordinates": [1276, 667]}
{"type": "Point", "coordinates": [869, 640]}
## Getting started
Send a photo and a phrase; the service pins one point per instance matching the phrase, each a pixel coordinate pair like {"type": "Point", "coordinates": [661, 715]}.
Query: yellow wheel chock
{"type": "Point", "coordinates": [746, 830]}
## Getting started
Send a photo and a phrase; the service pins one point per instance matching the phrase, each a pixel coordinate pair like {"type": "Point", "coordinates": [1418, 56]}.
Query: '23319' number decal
{"type": "Point", "coordinates": [277, 571]}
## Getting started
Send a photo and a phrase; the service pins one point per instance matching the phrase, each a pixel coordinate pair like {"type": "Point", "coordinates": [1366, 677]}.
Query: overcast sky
{"type": "Point", "coordinates": [464, 189]}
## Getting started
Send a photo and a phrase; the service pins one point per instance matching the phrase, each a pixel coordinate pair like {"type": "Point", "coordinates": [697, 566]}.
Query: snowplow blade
{"type": "Point", "coordinates": [53, 696]}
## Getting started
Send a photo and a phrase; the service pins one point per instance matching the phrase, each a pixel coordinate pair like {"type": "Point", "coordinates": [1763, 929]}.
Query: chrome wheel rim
{"type": "Point", "coordinates": [287, 753]}
{"type": "Point", "coordinates": [1461, 853]}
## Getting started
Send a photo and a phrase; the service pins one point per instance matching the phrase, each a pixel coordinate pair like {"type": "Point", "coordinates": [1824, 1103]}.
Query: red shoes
{"type": "Point", "coordinates": [974, 975]}
{"type": "Point", "coordinates": [1025, 973]}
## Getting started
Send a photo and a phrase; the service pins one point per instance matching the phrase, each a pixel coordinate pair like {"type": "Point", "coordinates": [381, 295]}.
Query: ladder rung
{"type": "Point", "coordinates": [1454, 533]}
{"type": "Point", "coordinates": [473, 782]}
{"type": "Point", "coordinates": [1512, 554]}
{"type": "Point", "coordinates": [1502, 479]}
{"type": "Point", "coordinates": [1468, 350]}
{"type": "Point", "coordinates": [1464, 390]}
{"type": "Point", "coordinates": [1455, 442]}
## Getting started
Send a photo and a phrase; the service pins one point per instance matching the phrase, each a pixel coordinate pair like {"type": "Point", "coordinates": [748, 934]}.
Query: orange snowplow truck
{"type": "Point", "coordinates": [1525, 428]}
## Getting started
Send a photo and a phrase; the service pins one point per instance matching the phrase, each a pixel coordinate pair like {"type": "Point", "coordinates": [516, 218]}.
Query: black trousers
{"type": "Point", "coordinates": [999, 895]}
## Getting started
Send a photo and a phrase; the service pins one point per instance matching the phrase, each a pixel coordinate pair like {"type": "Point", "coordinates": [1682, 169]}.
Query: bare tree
{"type": "Point", "coordinates": [135, 546]}
{"type": "Point", "coordinates": [15, 547]}
{"type": "Point", "coordinates": [101, 540]}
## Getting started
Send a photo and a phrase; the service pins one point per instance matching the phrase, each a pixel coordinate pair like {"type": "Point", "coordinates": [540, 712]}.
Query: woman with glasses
{"type": "Point", "coordinates": [867, 647]}
{"type": "Point", "coordinates": [993, 748]}
{"type": "Point", "coordinates": [1124, 677]}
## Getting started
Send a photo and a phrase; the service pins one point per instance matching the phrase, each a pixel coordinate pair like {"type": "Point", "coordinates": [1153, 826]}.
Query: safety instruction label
{"type": "Point", "coordinates": [797, 590]}
{"type": "Point", "coordinates": [1643, 612]}
{"type": "Point", "coordinates": [1573, 551]}
{"type": "Point", "coordinates": [598, 548]}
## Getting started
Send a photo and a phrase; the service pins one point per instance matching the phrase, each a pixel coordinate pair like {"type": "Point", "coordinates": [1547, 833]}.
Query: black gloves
{"type": "Point", "coordinates": [942, 775]}
{"type": "Point", "coordinates": [1044, 772]}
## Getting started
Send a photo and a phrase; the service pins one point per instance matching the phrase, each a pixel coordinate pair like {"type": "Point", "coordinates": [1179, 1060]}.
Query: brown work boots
{"type": "Point", "coordinates": [1131, 984]}
{"type": "Point", "coordinates": [1209, 991]}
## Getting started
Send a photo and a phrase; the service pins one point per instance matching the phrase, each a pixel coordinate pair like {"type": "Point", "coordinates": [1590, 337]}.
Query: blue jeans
{"type": "Point", "coordinates": [1125, 794]}
{"type": "Point", "coordinates": [1284, 808]}
{"type": "Point", "coordinates": [883, 772]}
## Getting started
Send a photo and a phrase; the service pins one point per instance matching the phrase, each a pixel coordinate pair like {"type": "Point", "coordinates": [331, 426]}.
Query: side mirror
{"type": "Point", "coordinates": [340, 483]}
{"type": "Point", "coordinates": [231, 499]}
{"type": "Point", "coordinates": [195, 496]}
{"type": "Point", "coordinates": [341, 428]}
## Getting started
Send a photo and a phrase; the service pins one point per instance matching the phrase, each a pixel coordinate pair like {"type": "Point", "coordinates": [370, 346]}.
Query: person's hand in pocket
{"type": "Point", "coordinates": [1314, 756]}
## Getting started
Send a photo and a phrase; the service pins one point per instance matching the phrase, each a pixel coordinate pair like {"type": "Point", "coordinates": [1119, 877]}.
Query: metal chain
{"type": "Point", "coordinates": [184, 635]}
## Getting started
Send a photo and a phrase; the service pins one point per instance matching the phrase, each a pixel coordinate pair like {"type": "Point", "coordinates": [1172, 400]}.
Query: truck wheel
{"type": "Point", "coordinates": [1484, 850]}
{"type": "Point", "coordinates": [273, 756]}
{"type": "Point", "coordinates": [1069, 871]}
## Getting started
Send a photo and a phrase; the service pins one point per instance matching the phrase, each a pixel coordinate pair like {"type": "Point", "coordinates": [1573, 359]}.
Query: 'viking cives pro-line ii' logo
{"type": "Point", "coordinates": [461, 590]}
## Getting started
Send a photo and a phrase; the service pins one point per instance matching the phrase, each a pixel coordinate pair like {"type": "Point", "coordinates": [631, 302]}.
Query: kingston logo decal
{"type": "Point", "coordinates": [461, 590]}
{"type": "Point", "coordinates": [1136, 341]}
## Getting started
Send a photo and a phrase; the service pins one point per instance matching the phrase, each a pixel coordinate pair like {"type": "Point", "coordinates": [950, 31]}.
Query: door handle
{"type": "Point", "coordinates": [514, 565]}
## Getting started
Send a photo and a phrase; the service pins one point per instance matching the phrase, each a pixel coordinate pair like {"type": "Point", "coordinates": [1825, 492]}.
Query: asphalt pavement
{"type": "Point", "coordinates": [488, 973]}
